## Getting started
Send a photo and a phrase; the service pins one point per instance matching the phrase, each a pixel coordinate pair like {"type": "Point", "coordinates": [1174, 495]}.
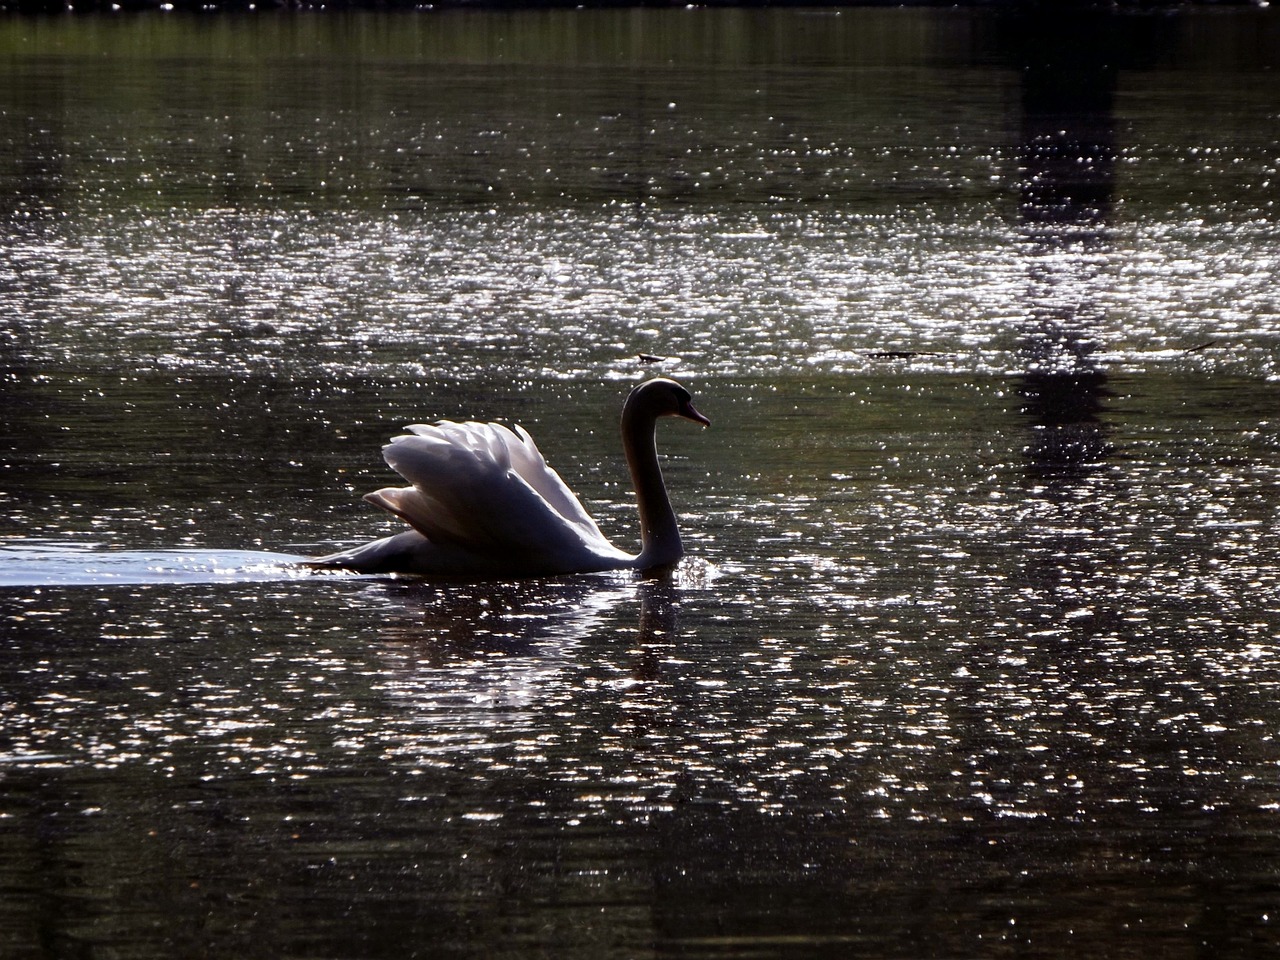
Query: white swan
{"type": "Point", "coordinates": [484, 503]}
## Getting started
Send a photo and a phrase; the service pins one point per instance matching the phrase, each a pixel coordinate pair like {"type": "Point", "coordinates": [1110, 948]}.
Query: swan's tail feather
{"type": "Point", "coordinates": [388, 555]}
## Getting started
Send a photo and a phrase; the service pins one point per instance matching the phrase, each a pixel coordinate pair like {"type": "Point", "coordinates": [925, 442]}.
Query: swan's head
{"type": "Point", "coordinates": [663, 398]}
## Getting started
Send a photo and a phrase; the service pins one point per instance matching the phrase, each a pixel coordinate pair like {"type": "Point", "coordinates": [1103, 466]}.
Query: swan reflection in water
{"type": "Point", "coordinates": [463, 659]}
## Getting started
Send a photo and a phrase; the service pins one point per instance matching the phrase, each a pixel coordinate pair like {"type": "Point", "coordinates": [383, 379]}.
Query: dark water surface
{"type": "Point", "coordinates": [977, 649]}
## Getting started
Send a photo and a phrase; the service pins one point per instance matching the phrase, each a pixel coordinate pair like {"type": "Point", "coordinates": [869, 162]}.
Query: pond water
{"type": "Point", "coordinates": [976, 650]}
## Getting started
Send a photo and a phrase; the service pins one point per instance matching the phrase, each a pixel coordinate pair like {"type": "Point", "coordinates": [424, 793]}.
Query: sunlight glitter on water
{"type": "Point", "coordinates": [981, 604]}
{"type": "Point", "coordinates": [830, 294]}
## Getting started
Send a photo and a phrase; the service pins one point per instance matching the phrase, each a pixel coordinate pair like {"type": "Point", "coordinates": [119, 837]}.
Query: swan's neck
{"type": "Point", "coordinates": [659, 536]}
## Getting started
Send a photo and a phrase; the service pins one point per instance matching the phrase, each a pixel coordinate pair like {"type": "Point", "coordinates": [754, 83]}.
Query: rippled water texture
{"type": "Point", "coordinates": [974, 653]}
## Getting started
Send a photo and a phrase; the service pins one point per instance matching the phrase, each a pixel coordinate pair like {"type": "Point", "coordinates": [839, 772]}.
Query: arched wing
{"type": "Point", "coordinates": [481, 487]}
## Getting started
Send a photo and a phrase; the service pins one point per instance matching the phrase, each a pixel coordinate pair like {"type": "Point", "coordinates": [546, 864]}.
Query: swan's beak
{"type": "Point", "coordinates": [689, 413]}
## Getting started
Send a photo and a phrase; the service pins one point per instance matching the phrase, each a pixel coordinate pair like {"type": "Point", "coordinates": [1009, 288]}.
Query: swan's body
{"type": "Point", "coordinates": [484, 502]}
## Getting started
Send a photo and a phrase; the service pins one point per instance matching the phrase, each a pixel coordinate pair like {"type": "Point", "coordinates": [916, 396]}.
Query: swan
{"type": "Point", "coordinates": [484, 503]}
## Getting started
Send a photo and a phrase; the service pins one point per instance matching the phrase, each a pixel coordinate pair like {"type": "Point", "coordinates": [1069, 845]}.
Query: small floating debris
{"type": "Point", "coordinates": [1204, 346]}
{"type": "Point", "coordinates": [899, 354]}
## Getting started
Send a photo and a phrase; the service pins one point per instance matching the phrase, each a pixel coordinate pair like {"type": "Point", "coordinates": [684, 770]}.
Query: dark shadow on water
{"type": "Point", "coordinates": [1070, 56]}
{"type": "Point", "coordinates": [1068, 156]}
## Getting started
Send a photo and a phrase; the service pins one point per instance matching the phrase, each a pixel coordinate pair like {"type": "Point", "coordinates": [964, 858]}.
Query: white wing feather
{"type": "Point", "coordinates": [479, 486]}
